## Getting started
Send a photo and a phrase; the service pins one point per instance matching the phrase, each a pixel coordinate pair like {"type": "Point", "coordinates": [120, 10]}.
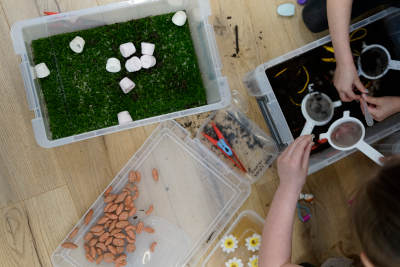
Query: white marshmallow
{"type": "Point", "coordinates": [124, 117]}
{"type": "Point", "coordinates": [148, 48]}
{"type": "Point", "coordinates": [133, 64]}
{"type": "Point", "coordinates": [148, 61]}
{"type": "Point", "coordinates": [179, 18]}
{"type": "Point", "coordinates": [77, 44]}
{"type": "Point", "coordinates": [126, 85]}
{"type": "Point", "coordinates": [127, 49]}
{"type": "Point", "coordinates": [113, 65]}
{"type": "Point", "coordinates": [42, 70]}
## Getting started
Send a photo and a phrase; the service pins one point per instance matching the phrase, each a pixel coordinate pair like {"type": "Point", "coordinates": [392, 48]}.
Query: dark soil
{"type": "Point", "coordinates": [374, 62]}
{"type": "Point", "coordinates": [318, 107]}
{"type": "Point", "coordinates": [287, 85]}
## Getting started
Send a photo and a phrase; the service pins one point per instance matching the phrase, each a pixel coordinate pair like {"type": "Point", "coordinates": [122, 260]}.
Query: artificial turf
{"type": "Point", "coordinates": [82, 96]}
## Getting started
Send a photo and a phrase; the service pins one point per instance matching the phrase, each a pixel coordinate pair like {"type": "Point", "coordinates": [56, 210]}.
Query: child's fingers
{"type": "Point", "coordinates": [306, 156]}
{"type": "Point", "coordinates": [298, 153]}
{"type": "Point", "coordinates": [352, 96]}
{"type": "Point", "coordinates": [344, 97]}
{"type": "Point", "coordinates": [293, 146]}
{"type": "Point", "coordinates": [372, 100]}
{"type": "Point", "coordinates": [373, 111]}
{"type": "Point", "coordinates": [360, 86]}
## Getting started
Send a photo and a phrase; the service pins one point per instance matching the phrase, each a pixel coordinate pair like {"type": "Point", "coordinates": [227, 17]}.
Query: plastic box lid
{"type": "Point", "coordinates": [194, 199]}
{"type": "Point", "coordinates": [203, 37]}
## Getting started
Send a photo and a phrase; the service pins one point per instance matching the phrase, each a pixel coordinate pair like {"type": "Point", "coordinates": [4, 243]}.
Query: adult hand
{"type": "Point", "coordinates": [293, 163]}
{"type": "Point", "coordinates": [382, 107]}
{"type": "Point", "coordinates": [345, 79]}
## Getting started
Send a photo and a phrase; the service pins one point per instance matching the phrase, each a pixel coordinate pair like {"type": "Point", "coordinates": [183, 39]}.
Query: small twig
{"type": "Point", "coordinates": [237, 38]}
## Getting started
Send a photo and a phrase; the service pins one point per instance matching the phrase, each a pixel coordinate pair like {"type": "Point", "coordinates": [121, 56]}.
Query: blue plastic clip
{"type": "Point", "coordinates": [221, 143]}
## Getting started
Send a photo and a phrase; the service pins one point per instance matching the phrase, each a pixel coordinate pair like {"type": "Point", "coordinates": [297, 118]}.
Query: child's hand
{"type": "Point", "coordinates": [293, 163]}
{"type": "Point", "coordinates": [382, 107]}
{"type": "Point", "coordinates": [345, 79]}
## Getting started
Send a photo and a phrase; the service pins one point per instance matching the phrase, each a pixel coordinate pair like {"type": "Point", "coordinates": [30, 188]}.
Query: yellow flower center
{"type": "Point", "coordinates": [254, 242]}
{"type": "Point", "coordinates": [234, 264]}
{"type": "Point", "coordinates": [254, 263]}
{"type": "Point", "coordinates": [229, 243]}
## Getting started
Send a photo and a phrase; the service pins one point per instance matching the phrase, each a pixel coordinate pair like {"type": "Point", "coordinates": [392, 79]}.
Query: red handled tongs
{"type": "Point", "coordinates": [224, 147]}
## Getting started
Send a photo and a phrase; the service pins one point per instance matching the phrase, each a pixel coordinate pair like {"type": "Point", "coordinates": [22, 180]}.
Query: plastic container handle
{"type": "Point", "coordinates": [394, 64]}
{"type": "Point", "coordinates": [308, 128]}
{"type": "Point", "coordinates": [360, 72]}
{"type": "Point", "coordinates": [337, 104]}
{"type": "Point", "coordinates": [323, 136]}
{"type": "Point", "coordinates": [27, 77]}
{"type": "Point", "coordinates": [370, 152]}
{"type": "Point", "coordinates": [346, 114]}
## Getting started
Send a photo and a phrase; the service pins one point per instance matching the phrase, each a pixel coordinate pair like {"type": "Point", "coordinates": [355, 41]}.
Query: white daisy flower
{"type": "Point", "coordinates": [253, 261]}
{"type": "Point", "coordinates": [229, 244]}
{"type": "Point", "coordinates": [253, 242]}
{"type": "Point", "coordinates": [234, 262]}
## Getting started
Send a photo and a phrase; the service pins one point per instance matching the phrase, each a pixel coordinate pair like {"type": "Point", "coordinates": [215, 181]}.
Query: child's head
{"type": "Point", "coordinates": [377, 216]}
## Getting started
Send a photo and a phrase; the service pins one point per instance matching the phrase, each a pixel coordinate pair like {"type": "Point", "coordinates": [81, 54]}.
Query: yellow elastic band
{"type": "Point", "coordinates": [352, 38]}
{"type": "Point", "coordinates": [308, 80]}
{"type": "Point", "coordinates": [330, 59]}
{"type": "Point", "coordinates": [364, 33]}
{"type": "Point", "coordinates": [329, 48]}
{"type": "Point", "coordinates": [294, 103]}
{"type": "Point", "coordinates": [279, 73]}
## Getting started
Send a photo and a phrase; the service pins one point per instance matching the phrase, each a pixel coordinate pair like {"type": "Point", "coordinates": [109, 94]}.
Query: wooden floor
{"type": "Point", "coordinates": [43, 192]}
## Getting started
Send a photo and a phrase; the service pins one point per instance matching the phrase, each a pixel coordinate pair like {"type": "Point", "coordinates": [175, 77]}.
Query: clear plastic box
{"type": "Point", "coordinates": [254, 148]}
{"type": "Point", "coordinates": [389, 145]}
{"type": "Point", "coordinates": [247, 223]}
{"type": "Point", "coordinates": [194, 199]}
{"type": "Point", "coordinates": [198, 11]}
{"type": "Point", "coordinates": [259, 86]}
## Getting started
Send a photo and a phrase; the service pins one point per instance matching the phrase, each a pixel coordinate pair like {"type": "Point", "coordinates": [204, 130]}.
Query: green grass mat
{"type": "Point", "coordinates": [82, 96]}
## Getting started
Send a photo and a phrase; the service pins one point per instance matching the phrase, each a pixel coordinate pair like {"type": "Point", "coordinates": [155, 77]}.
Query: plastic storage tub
{"type": "Point", "coordinates": [194, 199]}
{"type": "Point", "coordinates": [253, 147]}
{"type": "Point", "coordinates": [390, 145]}
{"type": "Point", "coordinates": [198, 11]}
{"type": "Point", "coordinates": [247, 224]}
{"type": "Point", "coordinates": [259, 86]}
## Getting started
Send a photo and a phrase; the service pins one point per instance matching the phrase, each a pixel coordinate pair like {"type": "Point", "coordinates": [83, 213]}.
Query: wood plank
{"type": "Point", "coordinates": [17, 246]}
{"type": "Point", "coordinates": [331, 227]}
{"type": "Point", "coordinates": [69, 5]}
{"type": "Point", "coordinates": [28, 169]}
{"type": "Point", "coordinates": [351, 176]}
{"type": "Point", "coordinates": [51, 215]}
{"type": "Point", "coordinates": [17, 10]}
{"type": "Point", "coordinates": [47, 5]}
